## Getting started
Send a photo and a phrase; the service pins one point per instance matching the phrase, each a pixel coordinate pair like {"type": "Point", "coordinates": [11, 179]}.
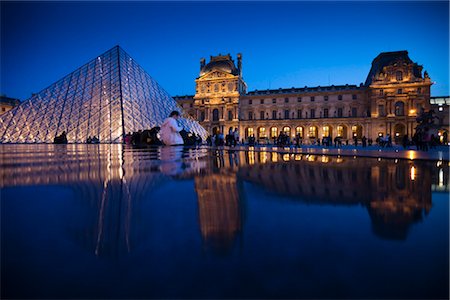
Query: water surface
{"type": "Point", "coordinates": [106, 221]}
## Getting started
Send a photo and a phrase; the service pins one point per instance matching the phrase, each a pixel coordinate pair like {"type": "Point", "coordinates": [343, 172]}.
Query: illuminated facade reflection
{"type": "Point", "coordinates": [110, 183]}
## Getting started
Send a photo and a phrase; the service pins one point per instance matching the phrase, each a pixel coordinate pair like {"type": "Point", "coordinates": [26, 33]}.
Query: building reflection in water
{"type": "Point", "coordinates": [110, 183]}
{"type": "Point", "coordinates": [396, 193]}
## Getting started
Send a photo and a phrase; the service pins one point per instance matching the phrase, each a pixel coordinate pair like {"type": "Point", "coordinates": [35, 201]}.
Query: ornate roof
{"type": "Point", "coordinates": [220, 62]}
{"type": "Point", "coordinates": [390, 58]}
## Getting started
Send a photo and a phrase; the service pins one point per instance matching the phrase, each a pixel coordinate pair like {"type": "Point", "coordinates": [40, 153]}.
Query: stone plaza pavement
{"type": "Point", "coordinates": [396, 151]}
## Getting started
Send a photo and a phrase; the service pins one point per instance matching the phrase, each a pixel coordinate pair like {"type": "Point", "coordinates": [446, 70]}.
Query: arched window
{"type": "Point", "coordinates": [215, 115]}
{"type": "Point", "coordinates": [262, 132]}
{"type": "Point", "coordinates": [299, 131]}
{"type": "Point", "coordinates": [326, 131]}
{"type": "Point", "coordinates": [399, 75]}
{"type": "Point", "coordinates": [312, 131]}
{"type": "Point", "coordinates": [399, 108]}
{"type": "Point", "coordinates": [230, 115]}
{"type": "Point", "coordinates": [273, 132]}
{"type": "Point", "coordinates": [249, 132]}
{"type": "Point", "coordinates": [287, 130]}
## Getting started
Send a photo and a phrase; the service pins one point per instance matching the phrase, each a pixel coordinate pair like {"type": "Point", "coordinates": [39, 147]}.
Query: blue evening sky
{"type": "Point", "coordinates": [284, 44]}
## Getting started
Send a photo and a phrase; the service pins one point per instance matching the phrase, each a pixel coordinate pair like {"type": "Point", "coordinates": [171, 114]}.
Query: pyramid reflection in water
{"type": "Point", "coordinates": [106, 97]}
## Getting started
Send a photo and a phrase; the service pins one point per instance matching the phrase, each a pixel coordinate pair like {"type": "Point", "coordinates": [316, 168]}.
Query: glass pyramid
{"type": "Point", "coordinates": [107, 97]}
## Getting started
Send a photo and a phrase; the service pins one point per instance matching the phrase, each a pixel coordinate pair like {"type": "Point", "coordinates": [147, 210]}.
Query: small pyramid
{"type": "Point", "coordinates": [107, 97]}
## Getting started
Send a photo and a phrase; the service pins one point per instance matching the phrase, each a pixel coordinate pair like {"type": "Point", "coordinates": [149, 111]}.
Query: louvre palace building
{"type": "Point", "coordinates": [395, 91]}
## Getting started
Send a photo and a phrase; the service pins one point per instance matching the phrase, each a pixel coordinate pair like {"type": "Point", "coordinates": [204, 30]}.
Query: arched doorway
{"type": "Point", "coordinates": [341, 131]}
{"type": "Point", "coordinates": [327, 131]}
{"type": "Point", "coordinates": [357, 131]}
{"type": "Point", "coordinates": [299, 131]}
{"type": "Point", "coordinates": [273, 132]}
{"type": "Point", "coordinates": [399, 132]}
{"type": "Point", "coordinates": [249, 132]}
{"type": "Point", "coordinates": [287, 130]}
{"type": "Point", "coordinates": [262, 132]}
{"type": "Point", "coordinates": [313, 132]}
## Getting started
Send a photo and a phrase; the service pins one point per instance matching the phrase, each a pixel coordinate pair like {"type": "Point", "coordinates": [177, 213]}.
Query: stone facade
{"type": "Point", "coordinates": [395, 91]}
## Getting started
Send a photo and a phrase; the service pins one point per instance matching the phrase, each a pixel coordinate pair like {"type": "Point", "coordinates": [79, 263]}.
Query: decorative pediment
{"type": "Point", "coordinates": [217, 74]}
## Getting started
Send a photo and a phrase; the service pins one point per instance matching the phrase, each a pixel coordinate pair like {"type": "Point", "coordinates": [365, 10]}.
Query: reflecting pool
{"type": "Point", "coordinates": [106, 221]}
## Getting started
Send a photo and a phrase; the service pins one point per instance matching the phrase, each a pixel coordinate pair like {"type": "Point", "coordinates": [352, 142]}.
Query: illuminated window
{"type": "Point", "coordinates": [249, 132]}
{"type": "Point", "coordinates": [340, 131]}
{"type": "Point", "coordinates": [299, 131]}
{"type": "Point", "coordinates": [262, 132]}
{"type": "Point", "coordinates": [273, 132]}
{"type": "Point", "coordinates": [326, 131]}
{"type": "Point", "coordinates": [312, 131]}
{"type": "Point", "coordinates": [287, 130]}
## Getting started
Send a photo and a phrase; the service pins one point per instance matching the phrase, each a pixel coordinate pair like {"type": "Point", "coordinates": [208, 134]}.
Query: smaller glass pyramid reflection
{"type": "Point", "coordinates": [107, 97]}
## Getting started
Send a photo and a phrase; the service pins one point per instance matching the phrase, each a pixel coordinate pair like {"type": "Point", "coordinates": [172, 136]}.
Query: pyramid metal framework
{"type": "Point", "coordinates": [107, 97]}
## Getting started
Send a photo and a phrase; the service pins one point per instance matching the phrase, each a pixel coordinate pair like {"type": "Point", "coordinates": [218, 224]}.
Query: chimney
{"type": "Point", "coordinates": [239, 64]}
{"type": "Point", "coordinates": [202, 63]}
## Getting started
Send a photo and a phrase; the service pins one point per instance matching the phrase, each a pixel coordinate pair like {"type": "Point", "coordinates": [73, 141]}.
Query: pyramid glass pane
{"type": "Point", "coordinates": [107, 97]}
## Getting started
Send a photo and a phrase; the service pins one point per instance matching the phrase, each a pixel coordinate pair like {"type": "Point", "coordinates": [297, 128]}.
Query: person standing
{"type": "Point", "coordinates": [170, 130]}
{"type": "Point", "coordinates": [236, 136]}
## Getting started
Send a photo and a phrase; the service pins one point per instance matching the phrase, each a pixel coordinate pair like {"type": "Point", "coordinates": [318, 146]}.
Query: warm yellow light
{"type": "Point", "coordinates": [412, 111]}
{"type": "Point", "coordinates": [413, 173]}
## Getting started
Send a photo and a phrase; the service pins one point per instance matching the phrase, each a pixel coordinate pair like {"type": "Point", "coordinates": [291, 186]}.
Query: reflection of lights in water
{"type": "Point", "coordinates": [411, 155]}
{"type": "Point", "coordinates": [311, 158]}
{"type": "Point", "coordinates": [439, 163]}
{"type": "Point", "coordinates": [251, 157]}
{"type": "Point", "coordinates": [286, 157]}
{"type": "Point", "coordinates": [325, 159]}
{"type": "Point", "coordinates": [298, 157]}
{"type": "Point", "coordinates": [379, 158]}
{"type": "Point", "coordinates": [413, 173]}
{"type": "Point", "coordinates": [339, 160]}
{"type": "Point", "coordinates": [263, 157]}
{"type": "Point", "coordinates": [441, 177]}
{"type": "Point", "coordinates": [396, 161]}
{"type": "Point", "coordinates": [274, 157]}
